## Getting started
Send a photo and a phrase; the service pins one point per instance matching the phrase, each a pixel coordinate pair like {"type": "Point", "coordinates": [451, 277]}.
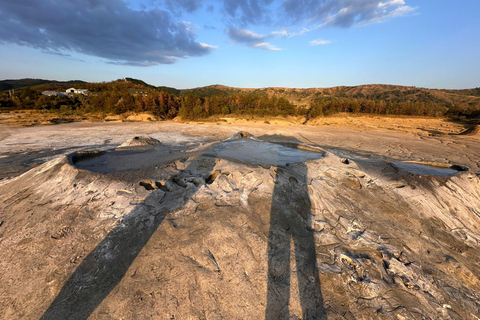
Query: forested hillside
{"type": "Point", "coordinates": [132, 95]}
{"type": "Point", "coordinates": [15, 84]}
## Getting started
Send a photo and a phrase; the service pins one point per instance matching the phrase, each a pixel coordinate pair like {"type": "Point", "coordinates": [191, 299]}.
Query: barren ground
{"type": "Point", "coordinates": [416, 139]}
{"type": "Point", "coordinates": [334, 221]}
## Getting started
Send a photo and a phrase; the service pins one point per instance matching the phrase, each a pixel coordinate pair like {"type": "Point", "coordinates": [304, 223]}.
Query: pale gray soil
{"type": "Point", "coordinates": [24, 147]}
{"type": "Point", "coordinates": [297, 222]}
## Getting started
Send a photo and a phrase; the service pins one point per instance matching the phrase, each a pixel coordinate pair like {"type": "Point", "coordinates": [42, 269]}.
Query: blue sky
{"type": "Point", "coordinates": [244, 43]}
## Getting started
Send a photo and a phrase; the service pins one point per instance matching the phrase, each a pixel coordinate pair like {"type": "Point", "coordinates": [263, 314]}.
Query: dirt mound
{"type": "Point", "coordinates": [141, 142]}
{"type": "Point", "coordinates": [472, 131]}
{"type": "Point", "coordinates": [142, 117]}
{"type": "Point", "coordinates": [243, 135]}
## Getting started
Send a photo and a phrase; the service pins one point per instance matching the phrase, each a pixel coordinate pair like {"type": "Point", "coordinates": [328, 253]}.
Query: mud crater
{"type": "Point", "coordinates": [242, 147]}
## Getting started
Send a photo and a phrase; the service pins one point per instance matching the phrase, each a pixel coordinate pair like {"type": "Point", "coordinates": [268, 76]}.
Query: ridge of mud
{"type": "Point", "coordinates": [140, 141]}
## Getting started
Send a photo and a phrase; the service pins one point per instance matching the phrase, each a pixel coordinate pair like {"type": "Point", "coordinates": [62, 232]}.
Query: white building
{"type": "Point", "coordinates": [77, 91]}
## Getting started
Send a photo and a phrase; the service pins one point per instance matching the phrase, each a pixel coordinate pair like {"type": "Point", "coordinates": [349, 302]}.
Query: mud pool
{"type": "Point", "coordinates": [429, 170]}
{"type": "Point", "coordinates": [241, 150]}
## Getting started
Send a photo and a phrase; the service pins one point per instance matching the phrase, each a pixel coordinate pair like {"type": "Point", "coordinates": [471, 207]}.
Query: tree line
{"type": "Point", "coordinates": [117, 98]}
{"type": "Point", "coordinates": [328, 106]}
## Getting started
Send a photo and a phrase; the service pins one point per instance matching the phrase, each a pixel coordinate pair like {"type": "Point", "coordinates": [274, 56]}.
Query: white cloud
{"type": "Point", "coordinates": [290, 34]}
{"type": "Point", "coordinates": [281, 33]}
{"type": "Point", "coordinates": [391, 3]}
{"type": "Point", "coordinates": [343, 13]}
{"type": "Point", "coordinates": [245, 36]}
{"type": "Point", "coordinates": [385, 15]}
{"type": "Point", "coordinates": [265, 46]}
{"type": "Point", "coordinates": [251, 39]}
{"type": "Point", "coordinates": [207, 46]}
{"type": "Point", "coordinates": [320, 42]}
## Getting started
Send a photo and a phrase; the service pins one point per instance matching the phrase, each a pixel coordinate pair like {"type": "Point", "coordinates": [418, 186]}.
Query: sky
{"type": "Point", "coordinates": [244, 43]}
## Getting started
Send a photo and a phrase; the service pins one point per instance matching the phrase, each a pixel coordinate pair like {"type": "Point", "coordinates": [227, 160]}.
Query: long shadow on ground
{"type": "Point", "coordinates": [101, 271]}
{"type": "Point", "coordinates": [105, 266]}
{"type": "Point", "coordinates": [290, 220]}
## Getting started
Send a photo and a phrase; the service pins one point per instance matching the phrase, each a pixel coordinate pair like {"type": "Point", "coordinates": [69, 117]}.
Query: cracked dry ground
{"type": "Point", "coordinates": [199, 235]}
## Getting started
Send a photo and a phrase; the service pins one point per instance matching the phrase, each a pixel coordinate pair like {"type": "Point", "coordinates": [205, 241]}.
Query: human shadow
{"type": "Point", "coordinates": [100, 272]}
{"type": "Point", "coordinates": [105, 266]}
{"type": "Point", "coordinates": [291, 220]}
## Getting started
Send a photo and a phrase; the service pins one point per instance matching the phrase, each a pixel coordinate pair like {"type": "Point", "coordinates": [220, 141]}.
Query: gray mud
{"type": "Point", "coordinates": [263, 153]}
{"type": "Point", "coordinates": [242, 150]}
{"type": "Point", "coordinates": [428, 170]}
{"type": "Point", "coordinates": [201, 227]}
{"type": "Point", "coordinates": [129, 159]}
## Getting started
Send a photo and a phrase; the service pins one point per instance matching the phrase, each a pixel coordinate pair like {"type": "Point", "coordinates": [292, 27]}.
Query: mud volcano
{"type": "Point", "coordinates": [238, 229]}
{"type": "Point", "coordinates": [242, 147]}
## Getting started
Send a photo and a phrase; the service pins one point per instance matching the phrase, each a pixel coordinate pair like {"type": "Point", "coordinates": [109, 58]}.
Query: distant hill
{"type": "Point", "coordinates": [299, 97]}
{"type": "Point", "coordinates": [15, 84]}
{"type": "Point", "coordinates": [371, 98]}
{"type": "Point", "coordinates": [169, 90]}
{"type": "Point", "coordinates": [139, 82]}
{"type": "Point", "coordinates": [160, 88]}
{"type": "Point", "coordinates": [394, 93]}
{"type": "Point", "coordinates": [41, 84]}
{"type": "Point", "coordinates": [210, 91]}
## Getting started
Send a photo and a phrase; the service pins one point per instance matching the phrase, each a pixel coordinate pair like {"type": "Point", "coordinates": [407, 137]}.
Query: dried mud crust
{"type": "Point", "coordinates": [140, 141]}
{"type": "Point", "coordinates": [203, 236]}
{"type": "Point", "coordinates": [395, 142]}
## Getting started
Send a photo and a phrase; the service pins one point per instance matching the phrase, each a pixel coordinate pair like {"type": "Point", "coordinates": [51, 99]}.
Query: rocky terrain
{"type": "Point", "coordinates": [177, 221]}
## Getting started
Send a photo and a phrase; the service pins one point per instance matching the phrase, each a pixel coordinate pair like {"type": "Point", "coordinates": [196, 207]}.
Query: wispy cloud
{"type": "Point", "coordinates": [320, 42]}
{"type": "Point", "coordinates": [207, 46]}
{"type": "Point", "coordinates": [245, 36]}
{"type": "Point", "coordinates": [251, 39]}
{"type": "Point", "coordinates": [339, 13]}
{"type": "Point", "coordinates": [56, 53]}
{"type": "Point", "coordinates": [281, 33]}
{"type": "Point", "coordinates": [265, 46]}
{"type": "Point", "coordinates": [241, 13]}
{"type": "Point", "coordinates": [343, 13]}
{"type": "Point", "coordinates": [289, 34]}
{"type": "Point", "coordinates": [187, 5]}
{"type": "Point", "coordinates": [391, 3]}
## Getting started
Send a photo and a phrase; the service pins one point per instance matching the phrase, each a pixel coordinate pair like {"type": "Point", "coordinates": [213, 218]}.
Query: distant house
{"type": "Point", "coordinates": [138, 91]}
{"type": "Point", "coordinates": [84, 92]}
{"type": "Point", "coordinates": [54, 93]}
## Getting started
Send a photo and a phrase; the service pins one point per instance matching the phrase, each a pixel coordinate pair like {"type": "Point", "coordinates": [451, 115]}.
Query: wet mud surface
{"type": "Point", "coordinates": [242, 150]}
{"type": "Point", "coordinates": [429, 170]}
